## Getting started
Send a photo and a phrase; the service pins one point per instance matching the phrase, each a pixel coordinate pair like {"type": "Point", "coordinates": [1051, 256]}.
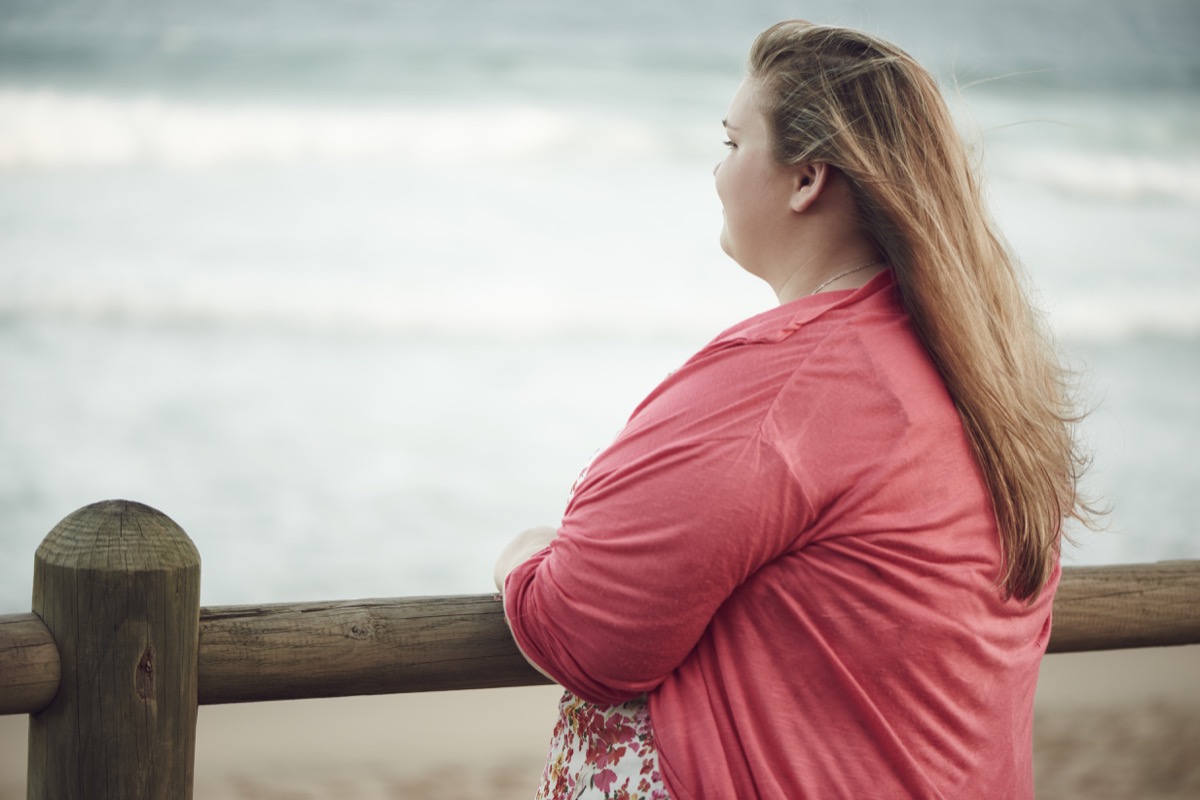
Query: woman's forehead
{"type": "Point", "coordinates": [744, 110]}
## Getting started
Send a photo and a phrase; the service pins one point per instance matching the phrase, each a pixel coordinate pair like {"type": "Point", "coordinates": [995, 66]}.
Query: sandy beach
{"type": "Point", "coordinates": [1122, 724]}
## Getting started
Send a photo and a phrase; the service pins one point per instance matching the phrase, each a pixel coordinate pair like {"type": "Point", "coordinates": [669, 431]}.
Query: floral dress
{"type": "Point", "coordinates": [599, 752]}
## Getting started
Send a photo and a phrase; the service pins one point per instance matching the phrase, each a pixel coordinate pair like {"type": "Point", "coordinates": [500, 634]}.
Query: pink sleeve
{"type": "Point", "coordinates": [653, 542]}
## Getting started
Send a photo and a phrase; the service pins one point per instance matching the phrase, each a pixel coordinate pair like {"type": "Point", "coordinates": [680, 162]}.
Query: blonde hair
{"type": "Point", "coordinates": [844, 98]}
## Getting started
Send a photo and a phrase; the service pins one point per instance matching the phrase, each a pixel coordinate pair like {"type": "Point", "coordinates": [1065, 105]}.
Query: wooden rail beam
{"type": "Point", "coordinates": [29, 665]}
{"type": "Point", "coordinates": [298, 650]}
{"type": "Point", "coordinates": [1127, 605]}
{"type": "Point", "coordinates": [418, 644]}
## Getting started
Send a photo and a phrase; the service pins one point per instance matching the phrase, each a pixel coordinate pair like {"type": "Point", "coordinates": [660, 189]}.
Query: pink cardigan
{"type": "Point", "coordinates": [790, 548]}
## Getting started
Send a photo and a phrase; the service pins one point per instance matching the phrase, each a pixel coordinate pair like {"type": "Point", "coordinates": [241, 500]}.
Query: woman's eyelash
{"type": "Point", "coordinates": [729, 143]}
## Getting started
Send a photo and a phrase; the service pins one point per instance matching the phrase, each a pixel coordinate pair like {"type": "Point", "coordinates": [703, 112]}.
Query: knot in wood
{"type": "Point", "coordinates": [360, 631]}
{"type": "Point", "coordinates": [143, 679]}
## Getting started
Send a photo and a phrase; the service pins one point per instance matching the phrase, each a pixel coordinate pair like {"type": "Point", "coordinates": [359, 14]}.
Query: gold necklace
{"type": "Point", "coordinates": [844, 274]}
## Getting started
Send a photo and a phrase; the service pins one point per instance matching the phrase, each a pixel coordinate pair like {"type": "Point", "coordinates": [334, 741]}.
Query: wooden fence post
{"type": "Point", "coordinates": [118, 586]}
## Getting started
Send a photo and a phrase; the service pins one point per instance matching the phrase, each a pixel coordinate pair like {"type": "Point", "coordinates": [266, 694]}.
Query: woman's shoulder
{"type": "Point", "coordinates": [879, 298]}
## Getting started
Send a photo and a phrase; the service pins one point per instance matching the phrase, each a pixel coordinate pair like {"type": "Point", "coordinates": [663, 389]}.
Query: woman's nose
{"type": "Point", "coordinates": [716, 167]}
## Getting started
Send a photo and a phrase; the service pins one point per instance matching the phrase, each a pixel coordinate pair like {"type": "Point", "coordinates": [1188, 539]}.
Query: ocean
{"type": "Point", "coordinates": [351, 291]}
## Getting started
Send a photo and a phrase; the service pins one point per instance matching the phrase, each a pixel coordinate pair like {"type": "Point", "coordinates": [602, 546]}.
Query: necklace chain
{"type": "Point", "coordinates": [847, 272]}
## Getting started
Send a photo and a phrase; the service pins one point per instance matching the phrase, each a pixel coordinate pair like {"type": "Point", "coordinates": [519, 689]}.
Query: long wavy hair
{"type": "Point", "coordinates": [865, 107]}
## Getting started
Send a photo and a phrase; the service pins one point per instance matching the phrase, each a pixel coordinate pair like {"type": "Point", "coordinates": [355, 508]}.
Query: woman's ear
{"type": "Point", "coordinates": [810, 179]}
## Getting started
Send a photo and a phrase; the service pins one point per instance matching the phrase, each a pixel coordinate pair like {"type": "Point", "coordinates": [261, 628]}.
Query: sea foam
{"type": "Point", "coordinates": [52, 129]}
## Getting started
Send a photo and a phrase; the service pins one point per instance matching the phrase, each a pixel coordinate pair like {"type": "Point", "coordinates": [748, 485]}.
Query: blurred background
{"type": "Point", "coordinates": [352, 290]}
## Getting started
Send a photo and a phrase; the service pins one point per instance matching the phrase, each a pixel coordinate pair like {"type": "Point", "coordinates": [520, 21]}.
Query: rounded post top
{"type": "Point", "coordinates": [119, 536]}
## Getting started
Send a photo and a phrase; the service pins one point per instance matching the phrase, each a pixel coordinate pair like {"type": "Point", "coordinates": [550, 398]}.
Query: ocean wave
{"type": "Point", "coordinates": [1115, 316]}
{"type": "Point", "coordinates": [62, 130]}
{"type": "Point", "coordinates": [49, 129]}
{"type": "Point", "coordinates": [1105, 175]}
{"type": "Point", "coordinates": [364, 310]}
{"type": "Point", "coordinates": [374, 309]}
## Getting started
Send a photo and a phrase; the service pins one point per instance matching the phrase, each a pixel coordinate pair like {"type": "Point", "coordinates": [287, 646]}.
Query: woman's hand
{"type": "Point", "coordinates": [519, 549]}
{"type": "Point", "coordinates": [524, 545]}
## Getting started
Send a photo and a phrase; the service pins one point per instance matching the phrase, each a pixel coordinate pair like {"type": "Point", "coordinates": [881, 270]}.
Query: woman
{"type": "Point", "coordinates": [819, 561]}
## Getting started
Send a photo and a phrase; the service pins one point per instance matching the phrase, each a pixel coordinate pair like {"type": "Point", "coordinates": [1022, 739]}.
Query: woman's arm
{"type": "Point", "coordinates": [520, 549]}
{"type": "Point", "coordinates": [648, 549]}
{"type": "Point", "coordinates": [523, 545]}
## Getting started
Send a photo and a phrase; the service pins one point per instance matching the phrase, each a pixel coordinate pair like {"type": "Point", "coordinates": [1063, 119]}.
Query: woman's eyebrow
{"type": "Point", "coordinates": [725, 123]}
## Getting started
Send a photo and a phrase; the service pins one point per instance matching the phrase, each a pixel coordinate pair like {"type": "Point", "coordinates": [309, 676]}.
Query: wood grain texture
{"type": "Point", "coordinates": [1128, 605]}
{"type": "Point", "coordinates": [343, 648]}
{"type": "Point", "coordinates": [117, 585]}
{"type": "Point", "coordinates": [29, 667]}
{"type": "Point", "coordinates": [417, 644]}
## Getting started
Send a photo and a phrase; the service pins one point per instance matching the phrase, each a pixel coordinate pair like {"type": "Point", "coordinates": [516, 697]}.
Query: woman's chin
{"type": "Point", "coordinates": [724, 240]}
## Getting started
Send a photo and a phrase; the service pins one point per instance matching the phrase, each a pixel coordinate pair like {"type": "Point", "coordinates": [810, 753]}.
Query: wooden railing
{"type": "Point", "coordinates": [117, 653]}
